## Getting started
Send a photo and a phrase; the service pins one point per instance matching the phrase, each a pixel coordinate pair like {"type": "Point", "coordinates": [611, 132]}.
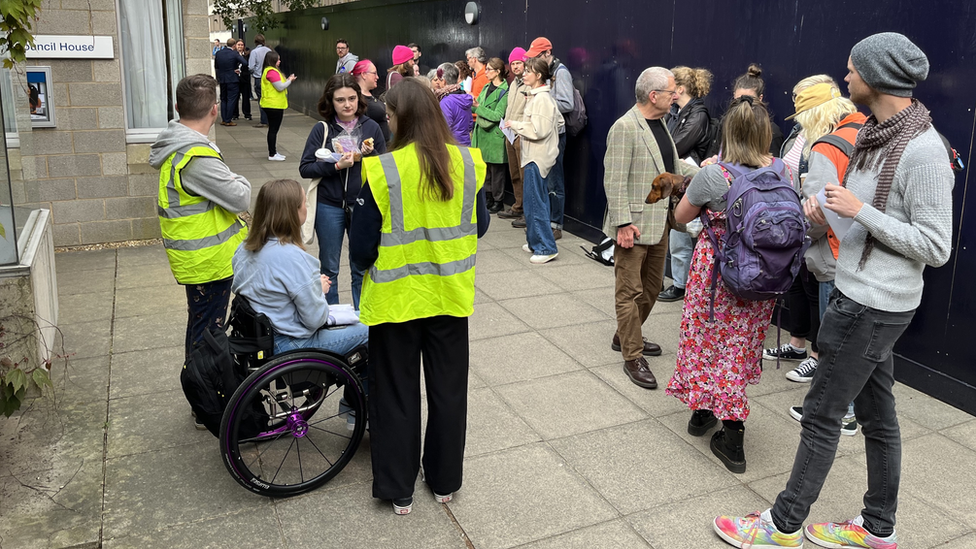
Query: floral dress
{"type": "Point", "coordinates": [717, 358]}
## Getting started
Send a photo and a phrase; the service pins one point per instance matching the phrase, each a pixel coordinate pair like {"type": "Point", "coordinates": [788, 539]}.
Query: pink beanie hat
{"type": "Point", "coordinates": [402, 54]}
{"type": "Point", "coordinates": [518, 54]}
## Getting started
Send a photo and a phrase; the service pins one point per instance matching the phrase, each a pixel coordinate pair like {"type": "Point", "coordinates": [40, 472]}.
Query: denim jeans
{"type": "Point", "coordinates": [826, 288]}
{"type": "Point", "coordinates": [682, 246]}
{"type": "Point", "coordinates": [257, 95]}
{"type": "Point", "coordinates": [339, 340]}
{"type": "Point", "coordinates": [855, 364]}
{"type": "Point", "coordinates": [538, 233]}
{"type": "Point", "coordinates": [556, 185]}
{"type": "Point", "coordinates": [330, 226]}
{"type": "Point", "coordinates": [206, 307]}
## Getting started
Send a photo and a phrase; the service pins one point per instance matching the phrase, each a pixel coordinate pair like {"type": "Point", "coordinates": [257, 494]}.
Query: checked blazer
{"type": "Point", "coordinates": [632, 162]}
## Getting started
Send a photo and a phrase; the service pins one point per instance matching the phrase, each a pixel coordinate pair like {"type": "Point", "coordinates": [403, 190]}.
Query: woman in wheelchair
{"type": "Point", "coordinates": [282, 281]}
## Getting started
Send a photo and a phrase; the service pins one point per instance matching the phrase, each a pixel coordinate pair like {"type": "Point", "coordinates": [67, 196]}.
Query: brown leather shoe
{"type": "Point", "coordinates": [509, 214]}
{"type": "Point", "coordinates": [639, 372]}
{"type": "Point", "coordinates": [231, 124]}
{"type": "Point", "coordinates": [557, 234]}
{"type": "Point", "coordinates": [650, 349]}
{"type": "Point", "coordinates": [519, 223]}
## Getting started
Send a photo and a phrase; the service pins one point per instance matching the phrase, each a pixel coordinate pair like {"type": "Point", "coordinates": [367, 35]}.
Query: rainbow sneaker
{"type": "Point", "coordinates": [838, 535]}
{"type": "Point", "coordinates": [755, 531]}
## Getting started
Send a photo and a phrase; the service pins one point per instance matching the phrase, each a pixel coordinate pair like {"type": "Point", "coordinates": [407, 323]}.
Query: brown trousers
{"type": "Point", "coordinates": [639, 273]}
{"type": "Point", "coordinates": [515, 170]}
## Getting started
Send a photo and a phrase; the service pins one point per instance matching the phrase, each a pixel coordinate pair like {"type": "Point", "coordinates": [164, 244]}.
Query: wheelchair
{"type": "Point", "coordinates": [287, 428]}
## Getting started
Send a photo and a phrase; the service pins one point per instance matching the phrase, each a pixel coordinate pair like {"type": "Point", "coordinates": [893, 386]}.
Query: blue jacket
{"type": "Point", "coordinates": [284, 283]}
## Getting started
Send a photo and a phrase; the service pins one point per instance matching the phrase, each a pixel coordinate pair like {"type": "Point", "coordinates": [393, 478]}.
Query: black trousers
{"type": "Point", "coordinates": [274, 124]}
{"type": "Point", "coordinates": [395, 352]}
{"type": "Point", "coordinates": [245, 96]}
{"type": "Point", "coordinates": [804, 302]}
{"type": "Point", "coordinates": [206, 307]}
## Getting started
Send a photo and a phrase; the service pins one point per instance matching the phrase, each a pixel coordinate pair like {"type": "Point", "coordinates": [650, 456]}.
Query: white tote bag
{"type": "Point", "coordinates": [311, 198]}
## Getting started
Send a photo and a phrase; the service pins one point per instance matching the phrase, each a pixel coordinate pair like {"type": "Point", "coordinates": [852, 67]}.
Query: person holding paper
{"type": "Point", "coordinates": [282, 281]}
{"type": "Point", "coordinates": [898, 190]}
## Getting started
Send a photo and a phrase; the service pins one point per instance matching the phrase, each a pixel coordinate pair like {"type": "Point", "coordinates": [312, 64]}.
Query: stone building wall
{"type": "Point", "coordinates": [98, 187]}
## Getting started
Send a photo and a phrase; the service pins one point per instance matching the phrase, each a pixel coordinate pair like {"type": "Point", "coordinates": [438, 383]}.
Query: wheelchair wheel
{"type": "Point", "coordinates": [282, 433]}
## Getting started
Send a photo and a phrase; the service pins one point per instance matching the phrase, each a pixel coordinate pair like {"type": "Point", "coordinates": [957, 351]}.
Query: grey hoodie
{"type": "Point", "coordinates": [203, 176]}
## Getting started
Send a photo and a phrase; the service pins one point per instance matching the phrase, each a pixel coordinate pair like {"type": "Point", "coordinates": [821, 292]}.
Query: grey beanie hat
{"type": "Point", "coordinates": [890, 63]}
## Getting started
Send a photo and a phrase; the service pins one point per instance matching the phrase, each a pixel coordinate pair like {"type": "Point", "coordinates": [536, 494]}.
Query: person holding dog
{"type": "Point", "coordinates": [639, 148]}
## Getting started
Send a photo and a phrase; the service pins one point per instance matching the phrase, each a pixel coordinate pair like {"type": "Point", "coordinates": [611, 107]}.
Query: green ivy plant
{"type": "Point", "coordinates": [17, 18]}
{"type": "Point", "coordinates": [17, 377]}
{"type": "Point", "coordinates": [260, 11]}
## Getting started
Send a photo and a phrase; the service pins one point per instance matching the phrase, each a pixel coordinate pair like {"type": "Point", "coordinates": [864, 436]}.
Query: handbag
{"type": "Point", "coordinates": [312, 198]}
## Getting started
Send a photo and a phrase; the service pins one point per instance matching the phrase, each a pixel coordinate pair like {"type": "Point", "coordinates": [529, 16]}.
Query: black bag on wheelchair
{"type": "Point", "coordinates": [210, 378]}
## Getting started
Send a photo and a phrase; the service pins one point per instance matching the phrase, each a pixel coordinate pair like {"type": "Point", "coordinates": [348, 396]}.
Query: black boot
{"type": "Point", "coordinates": [701, 421]}
{"type": "Point", "coordinates": [727, 446]}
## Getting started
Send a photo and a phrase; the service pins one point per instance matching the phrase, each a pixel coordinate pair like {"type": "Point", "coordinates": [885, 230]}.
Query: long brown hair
{"type": "Point", "coordinates": [338, 81]}
{"type": "Point", "coordinates": [420, 121]}
{"type": "Point", "coordinates": [270, 60]}
{"type": "Point", "coordinates": [276, 215]}
{"type": "Point", "coordinates": [746, 133]}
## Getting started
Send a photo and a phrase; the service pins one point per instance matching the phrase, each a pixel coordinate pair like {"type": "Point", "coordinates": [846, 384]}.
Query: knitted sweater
{"type": "Point", "coordinates": [915, 229]}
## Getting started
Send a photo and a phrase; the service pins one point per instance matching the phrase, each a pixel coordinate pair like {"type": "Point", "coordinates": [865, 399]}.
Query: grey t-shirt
{"type": "Point", "coordinates": [707, 188]}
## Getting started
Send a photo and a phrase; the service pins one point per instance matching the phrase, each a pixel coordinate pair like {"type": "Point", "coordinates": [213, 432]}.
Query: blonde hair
{"type": "Point", "coordinates": [813, 81]}
{"type": "Point", "coordinates": [276, 215]}
{"type": "Point", "coordinates": [820, 120]}
{"type": "Point", "coordinates": [746, 133]}
{"type": "Point", "coordinates": [697, 82]}
{"type": "Point", "coordinates": [424, 80]}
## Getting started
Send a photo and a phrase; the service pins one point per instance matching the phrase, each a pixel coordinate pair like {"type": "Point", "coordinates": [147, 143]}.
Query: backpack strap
{"type": "Point", "coordinates": [844, 145]}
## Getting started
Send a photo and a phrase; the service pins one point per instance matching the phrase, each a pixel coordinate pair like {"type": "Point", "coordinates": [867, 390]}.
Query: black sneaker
{"type": "Point", "coordinates": [785, 352]}
{"type": "Point", "coordinates": [848, 425]}
{"type": "Point", "coordinates": [804, 372]}
{"type": "Point", "coordinates": [673, 293]}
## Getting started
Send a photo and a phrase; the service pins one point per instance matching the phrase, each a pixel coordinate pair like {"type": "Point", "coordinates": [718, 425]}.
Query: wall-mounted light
{"type": "Point", "coordinates": [472, 13]}
{"type": "Point", "coordinates": [325, 23]}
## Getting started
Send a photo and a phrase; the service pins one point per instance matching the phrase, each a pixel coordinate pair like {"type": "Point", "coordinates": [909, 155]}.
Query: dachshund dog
{"type": "Point", "coordinates": [665, 185]}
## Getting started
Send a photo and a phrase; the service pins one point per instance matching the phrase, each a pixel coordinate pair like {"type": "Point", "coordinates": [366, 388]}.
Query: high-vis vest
{"type": "Point", "coordinates": [425, 265]}
{"type": "Point", "coordinates": [271, 98]}
{"type": "Point", "coordinates": [200, 237]}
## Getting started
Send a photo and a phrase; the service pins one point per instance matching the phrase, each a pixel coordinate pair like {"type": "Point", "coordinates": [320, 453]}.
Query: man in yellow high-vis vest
{"type": "Point", "coordinates": [199, 198]}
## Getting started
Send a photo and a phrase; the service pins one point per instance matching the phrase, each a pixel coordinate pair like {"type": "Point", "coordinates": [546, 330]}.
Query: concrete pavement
{"type": "Point", "coordinates": [562, 450]}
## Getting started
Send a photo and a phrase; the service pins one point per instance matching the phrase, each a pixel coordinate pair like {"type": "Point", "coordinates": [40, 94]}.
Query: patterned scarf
{"type": "Point", "coordinates": [881, 145]}
{"type": "Point", "coordinates": [447, 90]}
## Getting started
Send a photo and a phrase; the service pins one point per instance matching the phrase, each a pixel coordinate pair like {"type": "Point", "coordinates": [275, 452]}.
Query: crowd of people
{"type": "Point", "coordinates": [428, 162]}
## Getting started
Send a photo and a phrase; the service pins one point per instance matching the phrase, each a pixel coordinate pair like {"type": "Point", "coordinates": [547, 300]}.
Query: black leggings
{"type": "Point", "coordinates": [274, 124]}
{"type": "Point", "coordinates": [803, 299]}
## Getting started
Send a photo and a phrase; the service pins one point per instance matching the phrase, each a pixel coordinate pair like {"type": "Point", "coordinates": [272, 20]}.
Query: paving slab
{"type": "Point", "coordinates": [252, 528]}
{"type": "Point", "coordinates": [147, 371]}
{"type": "Point", "coordinates": [552, 311]}
{"type": "Point", "coordinates": [567, 404]}
{"type": "Point", "coordinates": [518, 357]}
{"type": "Point", "coordinates": [86, 339]}
{"type": "Point", "coordinates": [615, 533]}
{"type": "Point", "coordinates": [522, 495]}
{"type": "Point", "coordinates": [493, 425]}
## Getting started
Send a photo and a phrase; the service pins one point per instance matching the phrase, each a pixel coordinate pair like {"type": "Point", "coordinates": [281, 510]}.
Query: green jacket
{"type": "Point", "coordinates": [487, 136]}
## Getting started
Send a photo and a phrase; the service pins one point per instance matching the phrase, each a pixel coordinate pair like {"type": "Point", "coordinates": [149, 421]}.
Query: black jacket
{"type": "Point", "coordinates": [689, 130]}
{"type": "Point", "coordinates": [334, 185]}
{"type": "Point", "coordinates": [774, 146]}
{"type": "Point", "coordinates": [226, 62]}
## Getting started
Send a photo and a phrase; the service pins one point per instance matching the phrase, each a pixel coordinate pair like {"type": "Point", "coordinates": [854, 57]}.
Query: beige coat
{"type": "Point", "coordinates": [539, 130]}
{"type": "Point", "coordinates": [632, 162]}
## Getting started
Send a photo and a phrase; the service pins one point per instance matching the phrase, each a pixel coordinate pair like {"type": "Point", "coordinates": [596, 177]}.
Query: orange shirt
{"type": "Point", "coordinates": [478, 82]}
{"type": "Point", "coordinates": [840, 161]}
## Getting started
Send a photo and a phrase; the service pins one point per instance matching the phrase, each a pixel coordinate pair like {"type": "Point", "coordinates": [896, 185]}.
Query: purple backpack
{"type": "Point", "coordinates": [766, 233]}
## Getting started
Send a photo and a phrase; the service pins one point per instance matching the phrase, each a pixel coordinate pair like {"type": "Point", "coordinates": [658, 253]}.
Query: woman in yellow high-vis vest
{"type": "Point", "coordinates": [274, 100]}
{"type": "Point", "coordinates": [415, 232]}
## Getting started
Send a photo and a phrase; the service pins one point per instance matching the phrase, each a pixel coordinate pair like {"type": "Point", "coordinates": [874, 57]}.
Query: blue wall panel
{"type": "Point", "coordinates": [608, 43]}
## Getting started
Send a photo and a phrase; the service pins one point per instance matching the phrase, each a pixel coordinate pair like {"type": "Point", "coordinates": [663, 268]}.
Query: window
{"type": "Point", "coordinates": [152, 63]}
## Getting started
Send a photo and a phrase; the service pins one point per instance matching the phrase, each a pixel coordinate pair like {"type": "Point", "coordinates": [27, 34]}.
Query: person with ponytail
{"type": "Point", "coordinates": [689, 130]}
{"type": "Point", "coordinates": [415, 232]}
{"type": "Point", "coordinates": [748, 83]}
{"type": "Point", "coordinates": [721, 337]}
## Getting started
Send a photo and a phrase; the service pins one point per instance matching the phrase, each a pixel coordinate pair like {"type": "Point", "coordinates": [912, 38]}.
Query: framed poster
{"type": "Point", "coordinates": [39, 88]}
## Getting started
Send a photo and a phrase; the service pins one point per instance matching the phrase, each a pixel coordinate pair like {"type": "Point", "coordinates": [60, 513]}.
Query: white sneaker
{"type": "Point", "coordinates": [526, 248]}
{"type": "Point", "coordinates": [277, 158]}
{"type": "Point", "coordinates": [540, 259]}
{"type": "Point", "coordinates": [439, 498]}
